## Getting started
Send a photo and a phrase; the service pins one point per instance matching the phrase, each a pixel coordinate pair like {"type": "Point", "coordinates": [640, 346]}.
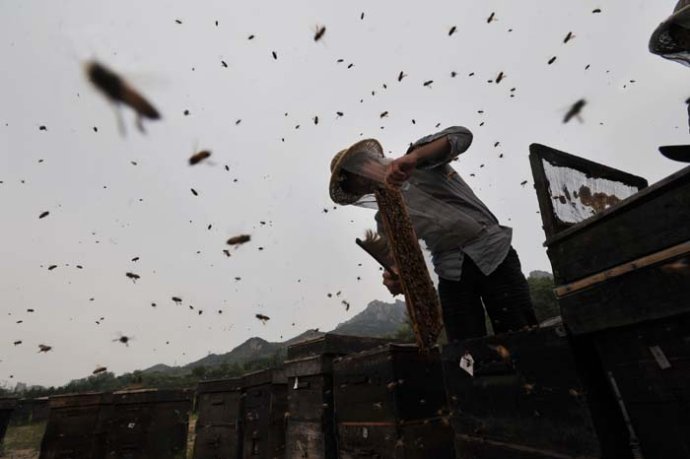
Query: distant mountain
{"type": "Point", "coordinates": [378, 319]}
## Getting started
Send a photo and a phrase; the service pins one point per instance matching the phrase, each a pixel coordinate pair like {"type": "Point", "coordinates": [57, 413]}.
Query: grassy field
{"type": "Point", "coordinates": [23, 442]}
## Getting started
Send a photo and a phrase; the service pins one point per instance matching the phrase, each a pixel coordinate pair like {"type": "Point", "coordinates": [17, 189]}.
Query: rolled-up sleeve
{"type": "Point", "coordinates": [459, 138]}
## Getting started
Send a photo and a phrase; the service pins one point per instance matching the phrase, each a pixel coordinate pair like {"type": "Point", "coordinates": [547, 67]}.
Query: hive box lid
{"type": "Point", "coordinates": [77, 400]}
{"type": "Point", "coordinates": [8, 403]}
{"type": "Point", "coordinates": [334, 344]}
{"type": "Point", "coordinates": [268, 376]}
{"type": "Point", "coordinates": [219, 385]}
{"type": "Point", "coordinates": [152, 395]}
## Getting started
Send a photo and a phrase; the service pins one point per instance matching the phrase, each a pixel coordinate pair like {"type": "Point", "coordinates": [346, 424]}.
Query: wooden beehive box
{"type": "Point", "coordinates": [622, 281]}
{"type": "Point", "coordinates": [523, 399]}
{"type": "Point", "coordinates": [7, 406]}
{"type": "Point", "coordinates": [309, 369]}
{"type": "Point", "coordinates": [625, 263]}
{"type": "Point", "coordinates": [265, 414]}
{"type": "Point", "coordinates": [390, 403]}
{"type": "Point", "coordinates": [148, 423]}
{"type": "Point", "coordinates": [218, 426]}
{"type": "Point", "coordinates": [76, 426]}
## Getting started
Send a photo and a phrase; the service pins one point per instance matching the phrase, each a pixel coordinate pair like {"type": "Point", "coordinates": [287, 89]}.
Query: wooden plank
{"type": "Point", "coordinates": [651, 293]}
{"type": "Point", "coordinates": [655, 258]}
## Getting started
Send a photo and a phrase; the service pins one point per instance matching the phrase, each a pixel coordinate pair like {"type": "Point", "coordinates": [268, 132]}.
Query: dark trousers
{"type": "Point", "coordinates": [504, 293]}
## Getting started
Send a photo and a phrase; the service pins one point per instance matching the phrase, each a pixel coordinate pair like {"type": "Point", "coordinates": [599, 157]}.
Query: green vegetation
{"type": "Point", "coordinates": [543, 298]}
{"type": "Point", "coordinates": [24, 437]}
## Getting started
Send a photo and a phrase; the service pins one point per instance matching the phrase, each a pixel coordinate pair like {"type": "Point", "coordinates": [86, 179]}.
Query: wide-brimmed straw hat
{"type": "Point", "coordinates": [338, 194]}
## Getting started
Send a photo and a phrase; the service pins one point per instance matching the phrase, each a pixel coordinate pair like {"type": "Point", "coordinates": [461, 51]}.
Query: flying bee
{"type": "Point", "coordinates": [491, 18]}
{"type": "Point", "coordinates": [133, 276]}
{"type": "Point", "coordinates": [574, 111]}
{"type": "Point", "coordinates": [320, 31]}
{"type": "Point", "coordinates": [99, 370]}
{"type": "Point", "coordinates": [499, 77]}
{"type": "Point", "coordinates": [198, 157]}
{"type": "Point", "coordinates": [452, 31]}
{"type": "Point", "coordinates": [123, 339]}
{"type": "Point", "coordinates": [263, 318]}
{"type": "Point", "coordinates": [119, 92]}
{"type": "Point", "coordinates": [44, 214]}
{"type": "Point", "coordinates": [239, 240]}
{"type": "Point", "coordinates": [44, 348]}
{"type": "Point", "coordinates": [568, 37]}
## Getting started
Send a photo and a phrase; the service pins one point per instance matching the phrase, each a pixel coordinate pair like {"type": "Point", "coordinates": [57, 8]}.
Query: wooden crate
{"type": "Point", "coordinates": [7, 407]}
{"type": "Point", "coordinates": [390, 403]}
{"type": "Point", "coordinates": [148, 424]}
{"type": "Point", "coordinates": [650, 364]}
{"type": "Point", "coordinates": [218, 427]}
{"type": "Point", "coordinates": [264, 414]}
{"type": "Point", "coordinates": [76, 426]}
{"type": "Point", "coordinates": [311, 429]}
{"type": "Point", "coordinates": [524, 398]}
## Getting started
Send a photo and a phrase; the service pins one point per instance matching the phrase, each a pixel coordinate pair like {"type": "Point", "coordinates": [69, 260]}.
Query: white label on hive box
{"type": "Point", "coordinates": [660, 357]}
{"type": "Point", "coordinates": [467, 363]}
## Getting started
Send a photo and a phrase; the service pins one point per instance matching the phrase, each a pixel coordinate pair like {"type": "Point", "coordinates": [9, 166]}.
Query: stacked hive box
{"type": "Point", "coordinates": [7, 406]}
{"type": "Point", "coordinates": [218, 427]}
{"type": "Point", "coordinates": [518, 395]}
{"type": "Point", "coordinates": [265, 413]}
{"type": "Point", "coordinates": [390, 403]}
{"type": "Point", "coordinates": [623, 279]}
{"type": "Point", "coordinates": [148, 424]}
{"type": "Point", "coordinates": [309, 370]}
{"type": "Point", "coordinates": [76, 426]}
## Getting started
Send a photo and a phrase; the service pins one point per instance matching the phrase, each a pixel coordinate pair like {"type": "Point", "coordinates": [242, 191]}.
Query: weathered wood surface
{"type": "Point", "coordinates": [148, 424]}
{"type": "Point", "coordinates": [525, 398]}
{"type": "Point", "coordinates": [218, 426]}
{"type": "Point", "coordinates": [389, 403]}
{"type": "Point", "coordinates": [538, 153]}
{"type": "Point", "coordinates": [7, 407]}
{"type": "Point", "coordinates": [646, 294]}
{"type": "Point", "coordinates": [76, 426]}
{"type": "Point", "coordinates": [311, 428]}
{"type": "Point", "coordinates": [651, 365]}
{"type": "Point", "coordinates": [265, 413]}
{"type": "Point", "coordinates": [333, 344]}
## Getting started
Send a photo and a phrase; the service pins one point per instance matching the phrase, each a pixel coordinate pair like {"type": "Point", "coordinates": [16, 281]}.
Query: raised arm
{"type": "Point", "coordinates": [428, 152]}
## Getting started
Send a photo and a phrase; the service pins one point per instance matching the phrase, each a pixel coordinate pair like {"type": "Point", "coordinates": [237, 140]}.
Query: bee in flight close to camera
{"type": "Point", "coordinates": [118, 91]}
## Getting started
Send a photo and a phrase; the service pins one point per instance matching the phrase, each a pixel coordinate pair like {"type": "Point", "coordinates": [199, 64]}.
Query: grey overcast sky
{"type": "Point", "coordinates": [104, 210]}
